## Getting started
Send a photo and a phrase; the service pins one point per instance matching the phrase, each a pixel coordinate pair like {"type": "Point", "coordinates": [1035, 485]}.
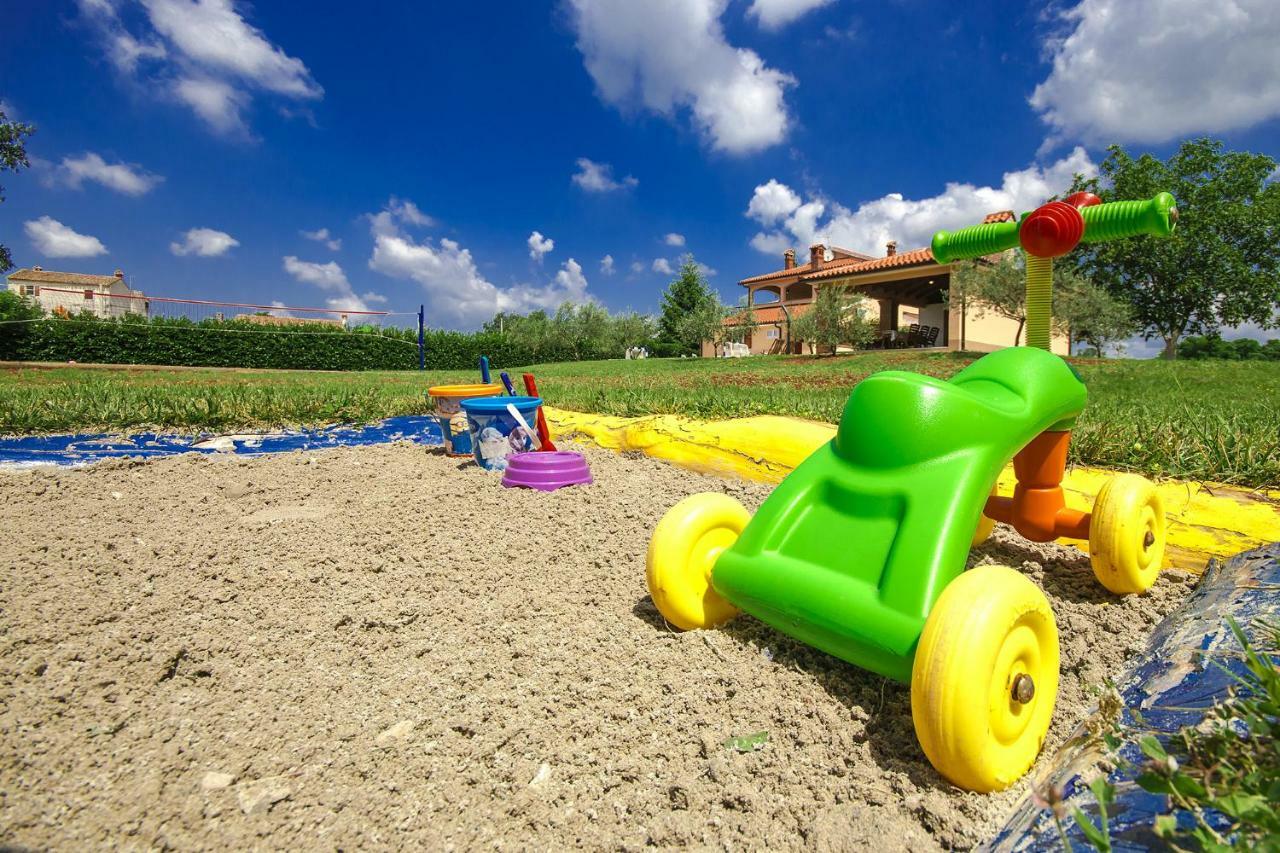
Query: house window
{"type": "Point", "coordinates": [88, 294]}
{"type": "Point", "coordinates": [28, 290]}
{"type": "Point", "coordinates": [773, 333]}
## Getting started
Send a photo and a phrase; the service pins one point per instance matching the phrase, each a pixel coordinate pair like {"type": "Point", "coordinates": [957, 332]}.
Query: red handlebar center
{"type": "Point", "coordinates": [1053, 229]}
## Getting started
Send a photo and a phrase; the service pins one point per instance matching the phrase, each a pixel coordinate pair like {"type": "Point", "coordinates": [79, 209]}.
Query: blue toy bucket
{"type": "Point", "coordinates": [495, 434]}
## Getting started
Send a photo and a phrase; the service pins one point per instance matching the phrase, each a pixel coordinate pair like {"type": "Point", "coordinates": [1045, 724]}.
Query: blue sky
{"type": "Point", "coordinates": [477, 157]}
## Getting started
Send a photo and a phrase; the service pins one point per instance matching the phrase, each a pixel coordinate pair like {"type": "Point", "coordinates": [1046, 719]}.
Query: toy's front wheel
{"type": "Point", "coordinates": [985, 678]}
{"type": "Point", "coordinates": [1127, 534]}
{"type": "Point", "coordinates": [683, 551]}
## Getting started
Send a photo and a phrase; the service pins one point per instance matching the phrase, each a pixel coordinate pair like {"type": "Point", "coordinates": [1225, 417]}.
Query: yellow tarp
{"type": "Point", "coordinates": [1205, 519]}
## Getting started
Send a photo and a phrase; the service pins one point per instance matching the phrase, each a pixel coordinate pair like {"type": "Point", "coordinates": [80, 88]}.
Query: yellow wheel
{"type": "Point", "coordinates": [985, 525]}
{"type": "Point", "coordinates": [1127, 534]}
{"type": "Point", "coordinates": [684, 549]}
{"type": "Point", "coordinates": [985, 678]}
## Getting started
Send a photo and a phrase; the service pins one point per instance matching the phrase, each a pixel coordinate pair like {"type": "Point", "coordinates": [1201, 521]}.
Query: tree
{"type": "Point", "coordinates": [631, 330]}
{"type": "Point", "coordinates": [1241, 349]}
{"type": "Point", "coordinates": [998, 288]}
{"type": "Point", "coordinates": [688, 306]}
{"type": "Point", "coordinates": [837, 317]}
{"type": "Point", "coordinates": [1089, 313]}
{"type": "Point", "coordinates": [13, 156]}
{"type": "Point", "coordinates": [1221, 266]}
{"type": "Point", "coordinates": [742, 322]}
{"type": "Point", "coordinates": [14, 307]}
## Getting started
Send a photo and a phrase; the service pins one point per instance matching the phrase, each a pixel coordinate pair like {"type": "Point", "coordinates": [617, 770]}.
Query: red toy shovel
{"type": "Point", "coordinates": [544, 434]}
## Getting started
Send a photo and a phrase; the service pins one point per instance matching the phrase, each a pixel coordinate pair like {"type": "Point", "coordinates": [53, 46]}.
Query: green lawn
{"type": "Point", "coordinates": [1207, 420]}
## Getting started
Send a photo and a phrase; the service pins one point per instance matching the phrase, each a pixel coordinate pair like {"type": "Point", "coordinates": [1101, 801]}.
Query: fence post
{"type": "Point", "coordinates": [422, 346]}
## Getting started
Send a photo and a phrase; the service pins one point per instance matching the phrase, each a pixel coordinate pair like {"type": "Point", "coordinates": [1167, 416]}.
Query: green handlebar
{"type": "Point", "coordinates": [1115, 219]}
{"type": "Point", "coordinates": [974, 241]}
{"type": "Point", "coordinates": [1110, 221]}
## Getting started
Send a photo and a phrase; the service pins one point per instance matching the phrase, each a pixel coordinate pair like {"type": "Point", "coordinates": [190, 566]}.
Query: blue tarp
{"type": "Point", "coordinates": [82, 448]}
{"type": "Point", "coordinates": [1177, 679]}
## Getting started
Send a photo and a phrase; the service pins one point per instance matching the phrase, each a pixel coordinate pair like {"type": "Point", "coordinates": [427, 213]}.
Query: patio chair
{"type": "Point", "coordinates": [932, 339]}
{"type": "Point", "coordinates": [912, 337]}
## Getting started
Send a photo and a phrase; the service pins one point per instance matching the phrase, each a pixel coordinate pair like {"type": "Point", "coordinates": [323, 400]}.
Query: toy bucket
{"type": "Point", "coordinates": [453, 421]}
{"type": "Point", "coordinates": [495, 434]}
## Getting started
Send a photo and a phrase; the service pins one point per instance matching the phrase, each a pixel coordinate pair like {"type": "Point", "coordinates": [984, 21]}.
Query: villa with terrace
{"type": "Point", "coordinates": [902, 290]}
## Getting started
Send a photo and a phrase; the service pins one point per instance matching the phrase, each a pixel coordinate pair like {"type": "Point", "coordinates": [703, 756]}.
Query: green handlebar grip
{"type": "Point", "coordinates": [1115, 219]}
{"type": "Point", "coordinates": [974, 241]}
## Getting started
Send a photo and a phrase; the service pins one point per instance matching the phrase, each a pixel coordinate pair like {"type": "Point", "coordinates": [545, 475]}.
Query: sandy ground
{"type": "Point", "coordinates": [379, 647]}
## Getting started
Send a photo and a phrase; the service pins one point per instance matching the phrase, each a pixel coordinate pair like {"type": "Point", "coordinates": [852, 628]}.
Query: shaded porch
{"type": "Point", "coordinates": [907, 299]}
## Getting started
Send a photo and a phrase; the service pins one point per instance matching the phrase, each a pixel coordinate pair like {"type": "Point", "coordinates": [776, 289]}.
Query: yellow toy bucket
{"type": "Point", "coordinates": [453, 421]}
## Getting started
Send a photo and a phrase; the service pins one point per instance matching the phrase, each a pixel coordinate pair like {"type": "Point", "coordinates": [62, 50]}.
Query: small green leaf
{"type": "Point", "coordinates": [747, 743]}
{"type": "Point", "coordinates": [1103, 790]}
{"type": "Point", "coordinates": [1154, 783]}
{"type": "Point", "coordinates": [1166, 825]}
{"type": "Point", "coordinates": [1091, 832]}
{"type": "Point", "coordinates": [1151, 748]}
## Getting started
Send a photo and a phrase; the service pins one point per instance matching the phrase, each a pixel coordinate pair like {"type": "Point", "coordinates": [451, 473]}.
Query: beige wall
{"type": "Point", "coordinates": [989, 332]}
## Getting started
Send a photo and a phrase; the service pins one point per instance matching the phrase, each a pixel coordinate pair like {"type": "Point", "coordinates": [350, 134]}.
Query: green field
{"type": "Point", "coordinates": [1214, 420]}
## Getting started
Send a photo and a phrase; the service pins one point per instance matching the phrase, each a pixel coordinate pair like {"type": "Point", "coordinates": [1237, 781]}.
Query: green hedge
{"type": "Point", "coordinates": [239, 344]}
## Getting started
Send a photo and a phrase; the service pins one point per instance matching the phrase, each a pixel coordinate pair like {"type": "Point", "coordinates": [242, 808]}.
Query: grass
{"type": "Point", "coordinates": [1213, 420]}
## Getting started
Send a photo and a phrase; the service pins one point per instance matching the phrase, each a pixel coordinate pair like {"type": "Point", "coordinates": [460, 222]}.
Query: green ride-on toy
{"type": "Point", "coordinates": [861, 550]}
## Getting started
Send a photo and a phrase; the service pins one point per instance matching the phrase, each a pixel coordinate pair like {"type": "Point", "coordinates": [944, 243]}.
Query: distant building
{"type": "Point", "coordinates": [69, 293]}
{"type": "Point", "coordinates": [273, 320]}
{"type": "Point", "coordinates": [903, 289]}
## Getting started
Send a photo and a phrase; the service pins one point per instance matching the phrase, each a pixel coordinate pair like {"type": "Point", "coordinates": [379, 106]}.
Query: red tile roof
{"type": "Point", "coordinates": [913, 258]}
{"type": "Point", "coordinates": [54, 277]}
{"type": "Point", "coordinates": [999, 216]}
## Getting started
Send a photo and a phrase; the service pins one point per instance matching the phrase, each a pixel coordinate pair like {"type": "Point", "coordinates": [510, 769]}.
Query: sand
{"type": "Point", "coordinates": [380, 648]}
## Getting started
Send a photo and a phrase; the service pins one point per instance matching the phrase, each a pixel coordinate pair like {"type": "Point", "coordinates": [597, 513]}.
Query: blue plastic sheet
{"type": "Point", "coordinates": [1179, 676]}
{"type": "Point", "coordinates": [82, 449]}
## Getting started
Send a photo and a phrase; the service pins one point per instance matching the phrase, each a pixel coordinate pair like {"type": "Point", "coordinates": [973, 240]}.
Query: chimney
{"type": "Point", "coordinates": [119, 273]}
{"type": "Point", "coordinates": [891, 248]}
{"type": "Point", "coordinates": [789, 259]}
{"type": "Point", "coordinates": [817, 254]}
{"type": "Point", "coordinates": [37, 269]}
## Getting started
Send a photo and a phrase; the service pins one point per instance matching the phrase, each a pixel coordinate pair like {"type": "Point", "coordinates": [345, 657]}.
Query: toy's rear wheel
{"type": "Point", "coordinates": [1127, 534]}
{"type": "Point", "coordinates": [985, 678]}
{"type": "Point", "coordinates": [985, 525]}
{"type": "Point", "coordinates": [682, 553]}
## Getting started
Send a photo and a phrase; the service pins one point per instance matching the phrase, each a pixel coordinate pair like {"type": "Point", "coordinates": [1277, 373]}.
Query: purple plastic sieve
{"type": "Point", "coordinates": [546, 470]}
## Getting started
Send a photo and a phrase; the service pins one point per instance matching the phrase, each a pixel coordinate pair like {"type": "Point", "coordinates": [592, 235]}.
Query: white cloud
{"type": "Point", "coordinates": [201, 51]}
{"type": "Point", "coordinates": [598, 177]}
{"type": "Point", "coordinates": [55, 240]}
{"type": "Point", "coordinates": [706, 270]}
{"type": "Point", "coordinates": [217, 102]}
{"type": "Point", "coordinates": [331, 279]}
{"type": "Point", "coordinates": [408, 213]}
{"type": "Point", "coordinates": [662, 265]}
{"type": "Point", "coordinates": [664, 56]}
{"type": "Point", "coordinates": [121, 177]}
{"type": "Point", "coordinates": [539, 245]}
{"type": "Point", "coordinates": [775, 14]}
{"type": "Point", "coordinates": [322, 236]}
{"type": "Point", "coordinates": [571, 280]}
{"type": "Point", "coordinates": [213, 35]}
{"type": "Point", "coordinates": [911, 222]}
{"type": "Point", "coordinates": [457, 293]}
{"type": "Point", "coordinates": [204, 243]}
{"type": "Point", "coordinates": [771, 242]}
{"type": "Point", "coordinates": [636, 267]}
{"type": "Point", "coordinates": [606, 265]}
{"type": "Point", "coordinates": [771, 202]}
{"type": "Point", "coordinates": [1154, 70]}
{"type": "Point", "coordinates": [674, 239]}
